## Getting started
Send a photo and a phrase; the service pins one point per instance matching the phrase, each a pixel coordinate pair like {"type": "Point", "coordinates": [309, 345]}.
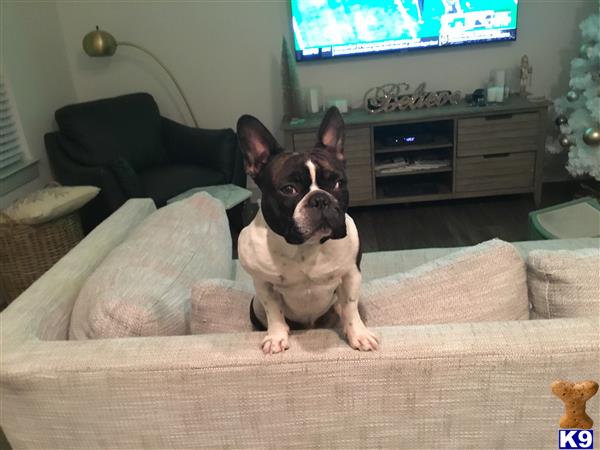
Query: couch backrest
{"type": "Point", "coordinates": [128, 126]}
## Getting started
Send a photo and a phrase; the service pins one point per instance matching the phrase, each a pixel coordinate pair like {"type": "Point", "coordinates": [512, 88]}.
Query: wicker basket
{"type": "Point", "coordinates": [27, 251]}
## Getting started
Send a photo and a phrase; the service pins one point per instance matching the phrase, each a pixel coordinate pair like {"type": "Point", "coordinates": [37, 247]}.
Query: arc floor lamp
{"type": "Point", "coordinates": [99, 43]}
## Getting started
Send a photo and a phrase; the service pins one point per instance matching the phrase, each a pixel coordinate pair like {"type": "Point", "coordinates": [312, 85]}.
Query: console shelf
{"type": "Point", "coordinates": [413, 172]}
{"type": "Point", "coordinates": [411, 148]}
{"type": "Point", "coordinates": [491, 150]}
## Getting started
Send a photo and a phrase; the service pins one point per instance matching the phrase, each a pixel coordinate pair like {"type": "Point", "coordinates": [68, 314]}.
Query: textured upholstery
{"type": "Point", "coordinates": [221, 306]}
{"type": "Point", "coordinates": [480, 283]}
{"type": "Point", "coordinates": [486, 282]}
{"type": "Point", "coordinates": [564, 283]}
{"type": "Point", "coordinates": [143, 287]}
{"type": "Point", "coordinates": [475, 385]}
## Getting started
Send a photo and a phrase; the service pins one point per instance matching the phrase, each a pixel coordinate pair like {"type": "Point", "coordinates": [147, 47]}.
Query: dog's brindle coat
{"type": "Point", "coordinates": [302, 249]}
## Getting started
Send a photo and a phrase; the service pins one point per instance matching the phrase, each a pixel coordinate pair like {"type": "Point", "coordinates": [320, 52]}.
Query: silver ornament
{"type": "Point", "coordinates": [591, 137]}
{"type": "Point", "coordinates": [561, 120]}
{"type": "Point", "coordinates": [572, 96]}
{"type": "Point", "coordinates": [564, 140]}
{"type": "Point", "coordinates": [583, 50]}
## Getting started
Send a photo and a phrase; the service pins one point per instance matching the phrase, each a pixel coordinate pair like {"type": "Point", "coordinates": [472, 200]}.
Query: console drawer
{"type": "Point", "coordinates": [498, 171]}
{"type": "Point", "coordinates": [497, 134]}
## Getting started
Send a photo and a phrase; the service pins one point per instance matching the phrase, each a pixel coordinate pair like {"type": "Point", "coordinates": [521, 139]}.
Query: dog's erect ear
{"type": "Point", "coordinates": [257, 144]}
{"type": "Point", "coordinates": [331, 133]}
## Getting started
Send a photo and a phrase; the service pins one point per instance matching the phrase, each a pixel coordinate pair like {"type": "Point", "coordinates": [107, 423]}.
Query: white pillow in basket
{"type": "Point", "coordinates": [49, 203]}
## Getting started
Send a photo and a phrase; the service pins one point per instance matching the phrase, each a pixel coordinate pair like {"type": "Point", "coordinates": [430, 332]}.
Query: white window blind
{"type": "Point", "coordinates": [16, 167]}
{"type": "Point", "coordinates": [10, 146]}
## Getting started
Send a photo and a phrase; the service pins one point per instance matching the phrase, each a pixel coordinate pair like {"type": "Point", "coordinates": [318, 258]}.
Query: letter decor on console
{"type": "Point", "coordinates": [392, 96]}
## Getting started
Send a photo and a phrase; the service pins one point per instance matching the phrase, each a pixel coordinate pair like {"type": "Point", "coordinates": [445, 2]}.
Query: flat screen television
{"type": "Point", "coordinates": [334, 28]}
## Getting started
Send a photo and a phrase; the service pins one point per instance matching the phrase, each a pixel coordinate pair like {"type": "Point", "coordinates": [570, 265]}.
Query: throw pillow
{"type": "Point", "coordinates": [143, 287]}
{"type": "Point", "coordinates": [564, 283]}
{"type": "Point", "coordinates": [221, 306]}
{"type": "Point", "coordinates": [49, 203]}
{"type": "Point", "coordinates": [486, 282]}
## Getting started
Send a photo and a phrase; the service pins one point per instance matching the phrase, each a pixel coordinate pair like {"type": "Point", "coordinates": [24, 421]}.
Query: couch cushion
{"type": "Point", "coordinates": [164, 182]}
{"type": "Point", "coordinates": [221, 306]}
{"type": "Point", "coordinates": [564, 283]}
{"type": "Point", "coordinates": [481, 283]}
{"type": "Point", "coordinates": [127, 126]}
{"type": "Point", "coordinates": [486, 282]}
{"type": "Point", "coordinates": [143, 286]}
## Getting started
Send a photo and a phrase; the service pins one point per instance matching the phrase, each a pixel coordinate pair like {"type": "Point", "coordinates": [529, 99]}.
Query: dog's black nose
{"type": "Point", "coordinates": [319, 201]}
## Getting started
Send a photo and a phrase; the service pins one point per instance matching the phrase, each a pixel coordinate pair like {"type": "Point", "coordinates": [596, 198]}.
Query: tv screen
{"type": "Point", "coordinates": [333, 28]}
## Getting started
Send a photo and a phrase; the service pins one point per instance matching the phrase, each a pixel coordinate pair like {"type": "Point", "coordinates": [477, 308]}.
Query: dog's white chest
{"type": "Point", "coordinates": [306, 276]}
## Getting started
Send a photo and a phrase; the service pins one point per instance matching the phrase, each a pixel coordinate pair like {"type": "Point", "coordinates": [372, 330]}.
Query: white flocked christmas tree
{"type": "Point", "coordinates": [578, 112]}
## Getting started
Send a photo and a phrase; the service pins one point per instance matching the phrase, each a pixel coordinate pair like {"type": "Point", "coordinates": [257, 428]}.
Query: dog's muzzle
{"type": "Point", "coordinates": [320, 213]}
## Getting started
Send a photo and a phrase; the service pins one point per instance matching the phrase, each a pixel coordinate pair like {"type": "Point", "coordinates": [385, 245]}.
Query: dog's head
{"type": "Point", "coordinates": [304, 195]}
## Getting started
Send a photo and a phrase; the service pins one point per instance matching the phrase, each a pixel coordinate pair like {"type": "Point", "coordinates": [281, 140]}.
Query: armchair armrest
{"type": "Point", "coordinates": [217, 149]}
{"type": "Point", "coordinates": [117, 180]}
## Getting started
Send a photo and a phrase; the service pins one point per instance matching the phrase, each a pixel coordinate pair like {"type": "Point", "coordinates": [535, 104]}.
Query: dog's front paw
{"type": "Point", "coordinates": [361, 338]}
{"type": "Point", "coordinates": [275, 342]}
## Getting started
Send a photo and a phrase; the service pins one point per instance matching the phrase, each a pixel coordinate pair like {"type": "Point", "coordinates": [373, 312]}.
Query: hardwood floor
{"type": "Point", "coordinates": [450, 223]}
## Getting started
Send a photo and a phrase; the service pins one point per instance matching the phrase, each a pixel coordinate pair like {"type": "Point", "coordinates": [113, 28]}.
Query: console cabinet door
{"type": "Point", "coordinates": [357, 150]}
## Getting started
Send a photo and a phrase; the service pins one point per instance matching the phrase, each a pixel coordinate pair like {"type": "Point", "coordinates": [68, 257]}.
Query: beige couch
{"type": "Point", "coordinates": [471, 385]}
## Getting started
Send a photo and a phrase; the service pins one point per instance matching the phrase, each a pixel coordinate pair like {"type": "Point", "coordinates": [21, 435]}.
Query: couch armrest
{"type": "Point", "coordinates": [217, 149]}
{"type": "Point", "coordinates": [114, 176]}
{"type": "Point", "coordinates": [429, 386]}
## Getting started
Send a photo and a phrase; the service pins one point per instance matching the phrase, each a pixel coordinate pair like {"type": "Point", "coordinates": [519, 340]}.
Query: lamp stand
{"type": "Point", "coordinates": [152, 55]}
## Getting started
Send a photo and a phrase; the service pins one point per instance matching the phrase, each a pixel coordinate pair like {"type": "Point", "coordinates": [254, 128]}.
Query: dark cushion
{"type": "Point", "coordinates": [127, 178]}
{"type": "Point", "coordinates": [128, 126]}
{"type": "Point", "coordinates": [162, 183]}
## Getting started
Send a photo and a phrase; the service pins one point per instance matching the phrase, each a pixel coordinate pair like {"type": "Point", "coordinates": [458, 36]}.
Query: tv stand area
{"type": "Point", "coordinates": [454, 151]}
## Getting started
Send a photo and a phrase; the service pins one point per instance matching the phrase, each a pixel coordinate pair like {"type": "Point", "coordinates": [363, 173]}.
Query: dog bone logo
{"type": "Point", "coordinates": [574, 396]}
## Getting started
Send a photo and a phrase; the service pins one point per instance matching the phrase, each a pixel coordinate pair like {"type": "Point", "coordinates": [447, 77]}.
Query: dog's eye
{"type": "Point", "coordinates": [338, 184]}
{"type": "Point", "coordinates": [289, 189]}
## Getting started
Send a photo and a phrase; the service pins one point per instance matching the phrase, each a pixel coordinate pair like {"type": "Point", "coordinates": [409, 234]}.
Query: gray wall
{"type": "Point", "coordinates": [226, 56]}
{"type": "Point", "coordinates": [32, 54]}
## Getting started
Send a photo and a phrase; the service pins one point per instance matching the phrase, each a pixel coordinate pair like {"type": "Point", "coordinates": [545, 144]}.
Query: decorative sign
{"type": "Point", "coordinates": [391, 97]}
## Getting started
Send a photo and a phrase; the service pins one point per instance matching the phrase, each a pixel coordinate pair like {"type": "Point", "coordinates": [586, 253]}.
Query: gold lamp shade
{"type": "Point", "coordinates": [99, 43]}
{"type": "Point", "coordinates": [102, 43]}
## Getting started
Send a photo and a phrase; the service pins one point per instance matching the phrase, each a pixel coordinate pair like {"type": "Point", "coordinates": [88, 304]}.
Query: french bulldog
{"type": "Point", "coordinates": [302, 249]}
